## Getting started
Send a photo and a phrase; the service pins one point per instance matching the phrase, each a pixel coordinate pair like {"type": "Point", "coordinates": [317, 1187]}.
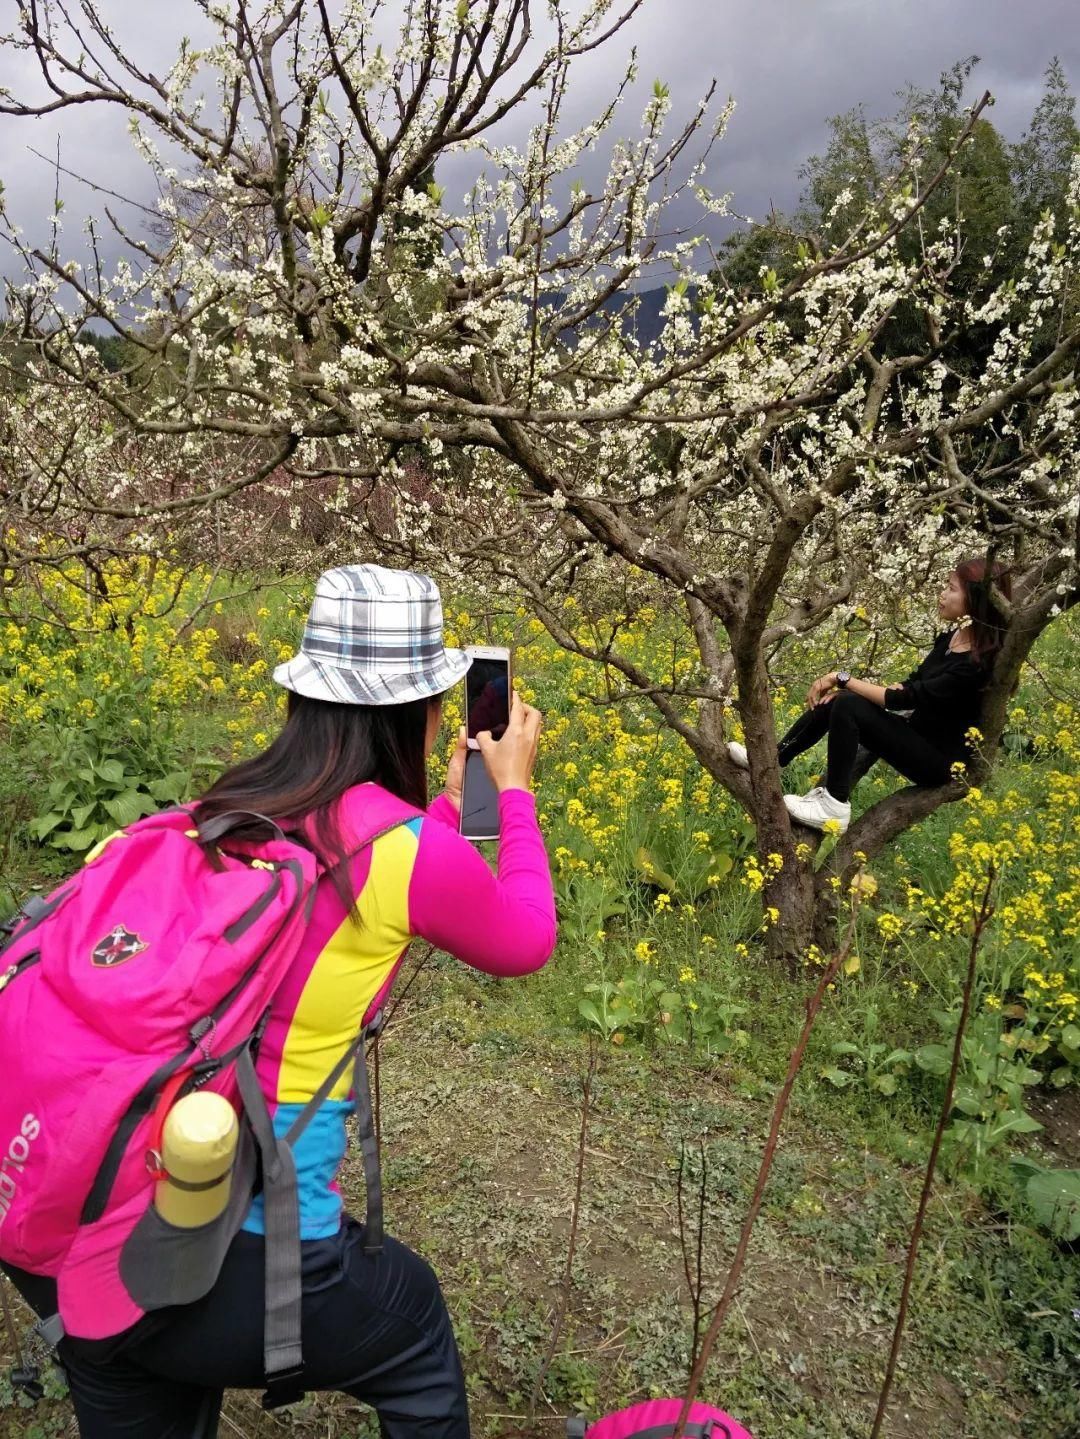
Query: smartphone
{"type": "Point", "coordinates": [487, 707]}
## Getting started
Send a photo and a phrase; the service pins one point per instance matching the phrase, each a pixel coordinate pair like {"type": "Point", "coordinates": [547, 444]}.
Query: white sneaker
{"type": "Point", "coordinates": [737, 754]}
{"type": "Point", "coordinates": [815, 808]}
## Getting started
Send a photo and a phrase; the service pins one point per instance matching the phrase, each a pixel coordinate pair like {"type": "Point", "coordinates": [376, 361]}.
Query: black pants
{"type": "Point", "coordinates": [850, 721]}
{"type": "Point", "coordinates": [374, 1327]}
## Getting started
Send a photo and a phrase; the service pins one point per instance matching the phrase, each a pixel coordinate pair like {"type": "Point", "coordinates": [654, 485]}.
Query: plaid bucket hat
{"type": "Point", "coordinates": [373, 637]}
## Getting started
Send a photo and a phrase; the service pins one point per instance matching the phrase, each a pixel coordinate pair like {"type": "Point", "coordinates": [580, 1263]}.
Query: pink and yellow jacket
{"type": "Point", "coordinates": [420, 880]}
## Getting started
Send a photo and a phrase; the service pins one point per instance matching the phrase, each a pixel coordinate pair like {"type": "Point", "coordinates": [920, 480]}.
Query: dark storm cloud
{"type": "Point", "coordinates": [792, 63]}
{"type": "Point", "coordinates": [789, 64]}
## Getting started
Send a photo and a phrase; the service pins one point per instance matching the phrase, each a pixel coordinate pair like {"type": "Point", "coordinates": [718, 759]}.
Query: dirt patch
{"type": "Point", "coordinates": [500, 1140]}
{"type": "Point", "coordinates": [480, 1142]}
{"type": "Point", "coordinates": [1058, 1111]}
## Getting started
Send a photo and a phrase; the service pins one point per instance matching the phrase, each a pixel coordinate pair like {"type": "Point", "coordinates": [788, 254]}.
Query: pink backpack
{"type": "Point", "coordinates": [150, 973]}
{"type": "Point", "coordinates": [656, 1419]}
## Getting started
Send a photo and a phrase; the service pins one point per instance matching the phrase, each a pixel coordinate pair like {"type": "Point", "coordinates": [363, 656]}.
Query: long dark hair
{"type": "Point", "coordinates": [323, 750]}
{"type": "Point", "coordinates": [987, 629]}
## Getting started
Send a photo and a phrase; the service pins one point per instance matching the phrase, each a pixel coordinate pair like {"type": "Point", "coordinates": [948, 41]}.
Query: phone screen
{"type": "Point", "coordinates": [487, 696]}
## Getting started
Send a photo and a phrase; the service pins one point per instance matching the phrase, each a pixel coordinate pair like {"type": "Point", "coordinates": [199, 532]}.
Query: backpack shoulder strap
{"type": "Point", "coordinates": [284, 1295]}
{"type": "Point", "coordinates": [281, 1338]}
{"type": "Point", "coordinates": [29, 915]}
{"type": "Point", "coordinates": [371, 812]}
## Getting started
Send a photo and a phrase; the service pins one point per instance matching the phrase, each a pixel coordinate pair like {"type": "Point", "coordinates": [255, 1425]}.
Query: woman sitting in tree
{"type": "Point", "coordinates": [942, 698]}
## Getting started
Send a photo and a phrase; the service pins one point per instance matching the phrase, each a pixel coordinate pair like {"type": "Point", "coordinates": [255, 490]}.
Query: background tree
{"type": "Point", "coordinates": [990, 204]}
{"type": "Point", "coordinates": [1041, 161]}
{"type": "Point", "coordinates": [786, 447]}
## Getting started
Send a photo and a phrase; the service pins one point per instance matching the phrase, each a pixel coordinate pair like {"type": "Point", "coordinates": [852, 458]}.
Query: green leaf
{"type": "Point", "coordinates": [589, 1012]}
{"type": "Point", "coordinates": [1054, 1195]}
{"type": "Point", "coordinates": [648, 866]}
{"type": "Point", "coordinates": [126, 808]}
{"type": "Point", "coordinates": [1017, 1124]}
{"type": "Point", "coordinates": [968, 1104]}
{"type": "Point", "coordinates": [898, 1056]}
{"type": "Point", "coordinates": [824, 849]}
{"type": "Point", "coordinates": [1070, 1036]}
{"type": "Point", "coordinates": [172, 788]}
{"type": "Point", "coordinates": [45, 824]}
{"type": "Point", "coordinates": [886, 1084]}
{"type": "Point", "coordinates": [81, 813]}
{"type": "Point", "coordinates": [78, 840]}
{"type": "Point", "coordinates": [838, 1077]}
{"type": "Point", "coordinates": [111, 770]}
{"type": "Point", "coordinates": [843, 1047]}
{"type": "Point", "coordinates": [934, 1059]}
{"type": "Point", "coordinates": [721, 863]}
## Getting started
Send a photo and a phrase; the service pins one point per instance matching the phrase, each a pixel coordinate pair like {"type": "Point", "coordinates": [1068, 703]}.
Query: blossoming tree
{"type": "Point", "coordinates": [308, 307]}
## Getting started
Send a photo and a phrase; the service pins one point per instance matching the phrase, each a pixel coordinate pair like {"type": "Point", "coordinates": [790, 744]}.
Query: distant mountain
{"type": "Point", "coordinates": [644, 323]}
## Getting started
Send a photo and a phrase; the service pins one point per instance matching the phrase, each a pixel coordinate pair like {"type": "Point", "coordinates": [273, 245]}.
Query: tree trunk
{"type": "Point", "coordinates": [792, 892]}
{"type": "Point", "coordinates": [790, 888]}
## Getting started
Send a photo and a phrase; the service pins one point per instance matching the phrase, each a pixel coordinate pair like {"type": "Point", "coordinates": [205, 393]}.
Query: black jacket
{"type": "Point", "coordinates": [945, 694]}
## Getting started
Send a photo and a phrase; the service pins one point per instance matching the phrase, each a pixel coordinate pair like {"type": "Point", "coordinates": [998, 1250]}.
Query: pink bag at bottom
{"type": "Point", "coordinates": [656, 1419]}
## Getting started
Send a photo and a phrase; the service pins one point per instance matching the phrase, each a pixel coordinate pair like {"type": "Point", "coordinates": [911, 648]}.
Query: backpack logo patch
{"type": "Point", "coordinates": [119, 945]}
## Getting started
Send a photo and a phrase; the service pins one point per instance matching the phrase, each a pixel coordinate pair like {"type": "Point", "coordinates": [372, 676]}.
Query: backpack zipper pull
{"type": "Point", "coordinates": [199, 1031]}
{"type": "Point", "coordinates": [17, 968]}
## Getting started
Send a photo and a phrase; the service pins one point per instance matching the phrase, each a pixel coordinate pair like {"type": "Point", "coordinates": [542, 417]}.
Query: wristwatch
{"type": "Point", "coordinates": [842, 677]}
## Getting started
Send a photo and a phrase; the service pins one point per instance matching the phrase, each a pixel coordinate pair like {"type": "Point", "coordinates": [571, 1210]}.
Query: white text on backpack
{"type": "Point", "coordinates": [18, 1152]}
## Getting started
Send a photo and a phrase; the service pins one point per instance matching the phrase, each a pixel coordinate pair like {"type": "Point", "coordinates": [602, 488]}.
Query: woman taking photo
{"type": "Point", "coordinates": [364, 706]}
{"type": "Point", "coordinates": [941, 700]}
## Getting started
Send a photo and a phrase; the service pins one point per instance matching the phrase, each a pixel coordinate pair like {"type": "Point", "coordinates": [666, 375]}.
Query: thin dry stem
{"type": "Point", "coordinates": [982, 918]}
{"type": "Point", "coordinates": [780, 1107]}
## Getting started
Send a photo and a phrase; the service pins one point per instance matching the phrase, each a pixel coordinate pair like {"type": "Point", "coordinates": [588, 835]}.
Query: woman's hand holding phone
{"type": "Point", "coordinates": [455, 771]}
{"type": "Point", "coordinates": [510, 761]}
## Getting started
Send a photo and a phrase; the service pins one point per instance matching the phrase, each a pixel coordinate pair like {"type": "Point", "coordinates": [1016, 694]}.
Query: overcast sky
{"type": "Point", "coordinates": [789, 64]}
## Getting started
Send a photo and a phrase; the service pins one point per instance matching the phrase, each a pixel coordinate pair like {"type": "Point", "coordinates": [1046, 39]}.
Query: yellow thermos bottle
{"type": "Point", "coordinates": [198, 1146]}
